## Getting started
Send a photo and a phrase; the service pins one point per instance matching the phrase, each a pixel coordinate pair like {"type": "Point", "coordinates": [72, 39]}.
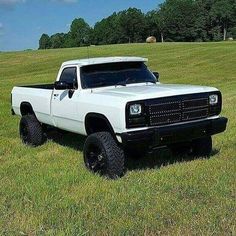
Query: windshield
{"type": "Point", "coordinates": [111, 74]}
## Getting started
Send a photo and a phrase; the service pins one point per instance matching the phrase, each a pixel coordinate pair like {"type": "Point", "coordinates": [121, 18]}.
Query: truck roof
{"type": "Point", "coordinates": [102, 60]}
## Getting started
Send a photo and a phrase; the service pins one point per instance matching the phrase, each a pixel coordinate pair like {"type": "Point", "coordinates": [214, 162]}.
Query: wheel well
{"type": "Point", "coordinates": [97, 123]}
{"type": "Point", "coordinates": [26, 109]}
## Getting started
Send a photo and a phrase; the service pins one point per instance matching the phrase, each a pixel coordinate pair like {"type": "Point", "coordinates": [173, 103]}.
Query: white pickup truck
{"type": "Point", "coordinates": [123, 109]}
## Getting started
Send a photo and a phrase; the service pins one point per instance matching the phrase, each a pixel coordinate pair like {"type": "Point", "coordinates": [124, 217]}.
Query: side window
{"type": "Point", "coordinates": [69, 75]}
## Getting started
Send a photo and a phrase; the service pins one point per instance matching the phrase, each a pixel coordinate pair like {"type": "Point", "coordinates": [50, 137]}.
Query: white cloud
{"type": "Point", "coordinates": [10, 3]}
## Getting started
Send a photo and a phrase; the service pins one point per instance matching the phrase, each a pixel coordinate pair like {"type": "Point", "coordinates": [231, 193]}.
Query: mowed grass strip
{"type": "Point", "coordinates": [47, 190]}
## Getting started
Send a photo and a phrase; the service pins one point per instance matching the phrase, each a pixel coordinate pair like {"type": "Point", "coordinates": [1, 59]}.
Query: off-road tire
{"type": "Point", "coordinates": [111, 154]}
{"type": "Point", "coordinates": [202, 147]}
{"type": "Point", "coordinates": [31, 131]}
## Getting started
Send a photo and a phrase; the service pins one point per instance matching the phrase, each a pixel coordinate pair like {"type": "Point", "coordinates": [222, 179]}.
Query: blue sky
{"type": "Point", "coordinates": [22, 22]}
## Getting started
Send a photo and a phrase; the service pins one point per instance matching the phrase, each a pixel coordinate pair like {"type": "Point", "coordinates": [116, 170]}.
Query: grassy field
{"type": "Point", "coordinates": [48, 191]}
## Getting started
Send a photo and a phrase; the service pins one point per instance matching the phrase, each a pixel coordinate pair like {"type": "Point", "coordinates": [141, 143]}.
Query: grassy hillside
{"type": "Point", "coordinates": [48, 191]}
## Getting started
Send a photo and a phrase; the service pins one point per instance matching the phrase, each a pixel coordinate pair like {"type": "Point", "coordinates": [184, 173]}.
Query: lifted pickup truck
{"type": "Point", "coordinates": [123, 108]}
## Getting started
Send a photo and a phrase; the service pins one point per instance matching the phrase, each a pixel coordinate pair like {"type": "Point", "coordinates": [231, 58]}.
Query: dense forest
{"type": "Point", "coordinates": [172, 21]}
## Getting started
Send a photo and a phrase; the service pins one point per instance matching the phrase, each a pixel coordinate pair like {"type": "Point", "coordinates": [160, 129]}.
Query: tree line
{"type": "Point", "coordinates": [172, 21]}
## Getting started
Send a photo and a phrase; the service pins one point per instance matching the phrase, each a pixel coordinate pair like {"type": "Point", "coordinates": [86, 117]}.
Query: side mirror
{"type": "Point", "coordinates": [157, 75]}
{"type": "Point", "coordinates": [60, 85]}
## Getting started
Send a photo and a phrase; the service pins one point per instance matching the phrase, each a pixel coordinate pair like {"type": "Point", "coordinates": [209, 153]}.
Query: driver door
{"type": "Point", "coordinates": [64, 102]}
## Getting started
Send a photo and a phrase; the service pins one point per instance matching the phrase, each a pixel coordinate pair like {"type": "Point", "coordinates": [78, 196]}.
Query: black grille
{"type": "Point", "coordinates": [195, 103]}
{"type": "Point", "coordinates": [196, 114]}
{"type": "Point", "coordinates": [165, 118]}
{"type": "Point", "coordinates": [162, 107]}
{"type": "Point", "coordinates": [176, 109]}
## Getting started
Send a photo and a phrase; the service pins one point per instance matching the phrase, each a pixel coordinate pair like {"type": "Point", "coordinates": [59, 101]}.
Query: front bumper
{"type": "Point", "coordinates": [164, 136]}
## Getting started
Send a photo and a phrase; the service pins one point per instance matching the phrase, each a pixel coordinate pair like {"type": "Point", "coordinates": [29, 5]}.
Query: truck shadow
{"type": "Point", "coordinates": [67, 139]}
{"type": "Point", "coordinates": [160, 158]}
{"type": "Point", "coordinates": [156, 160]}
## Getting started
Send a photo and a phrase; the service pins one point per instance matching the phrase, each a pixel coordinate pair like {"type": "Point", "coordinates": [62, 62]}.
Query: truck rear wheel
{"type": "Point", "coordinates": [103, 155]}
{"type": "Point", "coordinates": [202, 146]}
{"type": "Point", "coordinates": [31, 131]}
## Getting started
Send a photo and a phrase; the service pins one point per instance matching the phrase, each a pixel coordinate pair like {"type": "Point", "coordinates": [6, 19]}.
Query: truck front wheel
{"type": "Point", "coordinates": [103, 155]}
{"type": "Point", "coordinates": [31, 131]}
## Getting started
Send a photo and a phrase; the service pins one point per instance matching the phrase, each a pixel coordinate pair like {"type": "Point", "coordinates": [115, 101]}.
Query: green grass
{"type": "Point", "coordinates": [48, 191]}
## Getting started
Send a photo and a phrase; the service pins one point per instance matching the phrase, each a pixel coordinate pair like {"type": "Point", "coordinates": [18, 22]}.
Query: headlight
{"type": "Point", "coordinates": [213, 99]}
{"type": "Point", "coordinates": [135, 109]}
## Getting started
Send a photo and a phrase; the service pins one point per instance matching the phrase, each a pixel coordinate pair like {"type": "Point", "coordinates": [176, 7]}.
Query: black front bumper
{"type": "Point", "coordinates": [164, 136]}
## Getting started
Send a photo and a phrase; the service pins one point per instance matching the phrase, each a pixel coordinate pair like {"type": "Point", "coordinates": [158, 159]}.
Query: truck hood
{"type": "Point", "coordinates": [139, 92]}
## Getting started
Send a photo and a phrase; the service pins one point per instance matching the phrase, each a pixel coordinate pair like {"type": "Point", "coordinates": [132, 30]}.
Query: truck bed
{"type": "Point", "coordinates": [38, 96]}
{"type": "Point", "coordinates": [40, 86]}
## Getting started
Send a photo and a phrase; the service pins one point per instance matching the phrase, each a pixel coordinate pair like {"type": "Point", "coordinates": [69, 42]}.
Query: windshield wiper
{"type": "Point", "coordinates": [121, 83]}
{"type": "Point", "coordinates": [124, 83]}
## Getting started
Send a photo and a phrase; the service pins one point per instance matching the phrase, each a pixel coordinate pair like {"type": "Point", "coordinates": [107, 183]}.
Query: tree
{"type": "Point", "coordinates": [223, 12]}
{"type": "Point", "coordinates": [67, 42]}
{"type": "Point", "coordinates": [173, 20]}
{"type": "Point", "coordinates": [132, 24]}
{"type": "Point", "coordinates": [153, 24]}
{"type": "Point", "coordinates": [182, 20]}
{"type": "Point", "coordinates": [57, 40]}
{"type": "Point", "coordinates": [122, 27]}
{"type": "Point", "coordinates": [107, 31]}
{"type": "Point", "coordinates": [44, 42]}
{"type": "Point", "coordinates": [80, 33]}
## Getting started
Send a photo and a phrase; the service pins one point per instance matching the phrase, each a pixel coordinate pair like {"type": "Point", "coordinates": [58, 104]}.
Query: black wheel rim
{"type": "Point", "coordinates": [24, 133]}
{"type": "Point", "coordinates": [95, 159]}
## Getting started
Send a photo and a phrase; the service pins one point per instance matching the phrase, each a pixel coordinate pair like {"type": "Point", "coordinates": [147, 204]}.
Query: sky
{"type": "Point", "coordinates": [22, 22]}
